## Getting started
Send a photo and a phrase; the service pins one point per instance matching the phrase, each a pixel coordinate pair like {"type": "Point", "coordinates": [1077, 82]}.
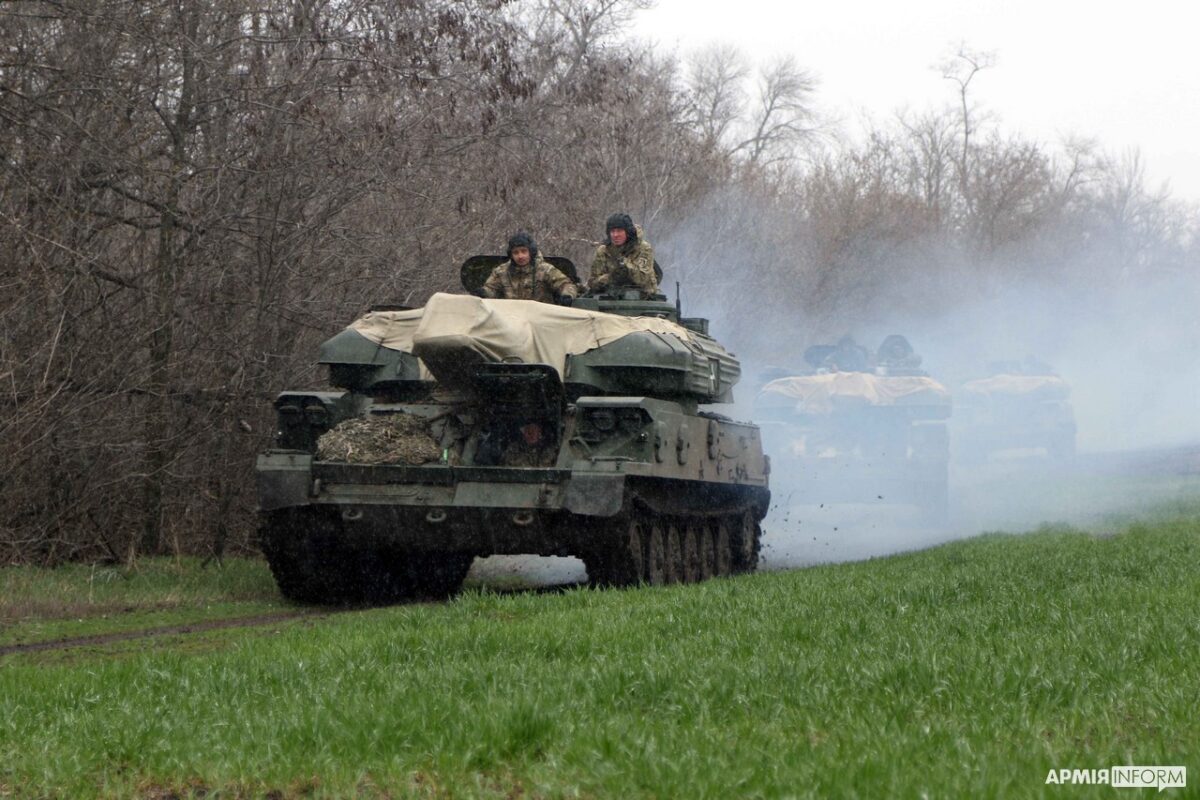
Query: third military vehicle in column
{"type": "Point", "coordinates": [1019, 406]}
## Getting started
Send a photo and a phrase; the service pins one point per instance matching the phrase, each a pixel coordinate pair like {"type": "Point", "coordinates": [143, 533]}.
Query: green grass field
{"type": "Point", "coordinates": [81, 600]}
{"type": "Point", "coordinates": [968, 670]}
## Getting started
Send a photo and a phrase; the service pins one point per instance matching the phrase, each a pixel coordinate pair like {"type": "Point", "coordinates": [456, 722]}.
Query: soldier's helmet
{"type": "Point", "coordinates": [895, 348]}
{"type": "Point", "coordinates": [848, 356]}
{"type": "Point", "coordinates": [523, 239]}
{"type": "Point", "coordinates": [624, 222]}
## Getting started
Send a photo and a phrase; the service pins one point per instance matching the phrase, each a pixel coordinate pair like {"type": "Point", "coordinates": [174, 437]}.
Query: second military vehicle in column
{"type": "Point", "coordinates": [859, 427]}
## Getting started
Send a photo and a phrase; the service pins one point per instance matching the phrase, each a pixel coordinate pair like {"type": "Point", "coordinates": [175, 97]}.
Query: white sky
{"type": "Point", "coordinates": [1126, 75]}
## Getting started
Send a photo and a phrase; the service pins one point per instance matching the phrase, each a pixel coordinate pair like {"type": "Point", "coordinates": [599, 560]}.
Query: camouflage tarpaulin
{"type": "Point", "coordinates": [454, 328]}
{"type": "Point", "coordinates": [821, 394]}
{"type": "Point", "coordinates": [1038, 387]}
{"type": "Point", "coordinates": [380, 439]}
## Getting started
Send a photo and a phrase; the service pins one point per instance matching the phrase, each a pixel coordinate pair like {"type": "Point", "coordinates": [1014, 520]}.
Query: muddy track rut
{"type": "Point", "coordinates": [100, 639]}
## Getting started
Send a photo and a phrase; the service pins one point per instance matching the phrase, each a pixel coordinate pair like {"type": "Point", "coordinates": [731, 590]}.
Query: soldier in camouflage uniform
{"type": "Point", "coordinates": [525, 276]}
{"type": "Point", "coordinates": [624, 261]}
{"type": "Point", "coordinates": [530, 447]}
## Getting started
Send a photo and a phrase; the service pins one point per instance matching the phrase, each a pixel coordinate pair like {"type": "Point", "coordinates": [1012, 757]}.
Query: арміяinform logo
{"type": "Point", "coordinates": [1129, 777]}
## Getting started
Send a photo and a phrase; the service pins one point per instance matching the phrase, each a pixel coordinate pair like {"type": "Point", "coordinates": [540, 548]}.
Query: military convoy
{"type": "Point", "coordinates": [1019, 406]}
{"type": "Point", "coordinates": [859, 427]}
{"type": "Point", "coordinates": [473, 427]}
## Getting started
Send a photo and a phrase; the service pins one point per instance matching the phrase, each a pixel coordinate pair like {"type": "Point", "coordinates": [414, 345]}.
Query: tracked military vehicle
{"type": "Point", "coordinates": [473, 427]}
{"type": "Point", "coordinates": [859, 427]}
{"type": "Point", "coordinates": [1018, 406]}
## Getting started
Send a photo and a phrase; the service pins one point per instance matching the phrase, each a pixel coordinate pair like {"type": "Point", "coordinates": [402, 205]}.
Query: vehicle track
{"type": "Point", "coordinates": [99, 639]}
{"type": "Point", "coordinates": [253, 621]}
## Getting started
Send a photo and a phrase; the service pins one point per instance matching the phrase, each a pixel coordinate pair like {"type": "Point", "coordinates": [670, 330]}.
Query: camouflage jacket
{"type": "Point", "coordinates": [539, 281]}
{"type": "Point", "coordinates": [630, 265]}
{"type": "Point", "coordinates": [519, 454]}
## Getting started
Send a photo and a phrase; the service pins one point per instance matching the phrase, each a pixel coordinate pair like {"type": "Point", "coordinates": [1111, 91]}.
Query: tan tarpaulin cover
{"type": "Point", "coordinates": [498, 329]}
{"type": "Point", "coordinates": [1048, 386]}
{"type": "Point", "coordinates": [818, 394]}
{"type": "Point", "coordinates": [391, 329]}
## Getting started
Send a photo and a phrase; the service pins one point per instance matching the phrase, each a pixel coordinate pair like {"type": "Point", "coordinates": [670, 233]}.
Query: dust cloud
{"type": "Point", "coordinates": [1131, 355]}
{"type": "Point", "coordinates": [1129, 349]}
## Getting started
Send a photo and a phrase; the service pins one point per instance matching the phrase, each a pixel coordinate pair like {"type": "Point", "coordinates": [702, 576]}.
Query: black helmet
{"type": "Point", "coordinates": [523, 239]}
{"type": "Point", "coordinates": [623, 221]}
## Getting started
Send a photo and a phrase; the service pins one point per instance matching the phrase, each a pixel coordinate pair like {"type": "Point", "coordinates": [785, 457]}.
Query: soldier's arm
{"type": "Point", "coordinates": [641, 268]}
{"type": "Point", "coordinates": [493, 287]}
{"type": "Point", "coordinates": [599, 273]}
{"type": "Point", "coordinates": [559, 283]}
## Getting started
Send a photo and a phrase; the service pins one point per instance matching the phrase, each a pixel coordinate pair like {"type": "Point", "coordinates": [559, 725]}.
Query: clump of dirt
{"type": "Point", "coordinates": [380, 439]}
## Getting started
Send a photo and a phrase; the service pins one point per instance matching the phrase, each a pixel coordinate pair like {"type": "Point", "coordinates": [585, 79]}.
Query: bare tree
{"type": "Point", "coordinates": [577, 29]}
{"type": "Point", "coordinates": [715, 81]}
{"type": "Point", "coordinates": [783, 115]}
{"type": "Point", "coordinates": [193, 196]}
{"type": "Point", "coordinates": [962, 68]}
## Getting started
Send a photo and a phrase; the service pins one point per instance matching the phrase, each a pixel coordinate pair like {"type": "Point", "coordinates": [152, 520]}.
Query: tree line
{"type": "Point", "coordinates": [194, 195]}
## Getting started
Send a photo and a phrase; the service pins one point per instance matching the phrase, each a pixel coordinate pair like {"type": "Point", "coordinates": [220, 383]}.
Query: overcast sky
{"type": "Point", "coordinates": [1126, 76]}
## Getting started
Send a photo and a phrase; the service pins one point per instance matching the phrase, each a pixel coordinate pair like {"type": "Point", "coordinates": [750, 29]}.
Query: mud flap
{"type": "Point", "coordinates": [595, 495]}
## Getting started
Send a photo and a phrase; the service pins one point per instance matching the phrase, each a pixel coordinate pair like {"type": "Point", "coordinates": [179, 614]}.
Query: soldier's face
{"type": "Point", "coordinates": [618, 236]}
{"type": "Point", "coordinates": [520, 256]}
{"type": "Point", "coordinates": [532, 434]}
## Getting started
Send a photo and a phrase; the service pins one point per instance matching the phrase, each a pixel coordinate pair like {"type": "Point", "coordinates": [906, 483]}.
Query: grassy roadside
{"type": "Point", "coordinates": [967, 670]}
{"type": "Point", "coordinates": [82, 600]}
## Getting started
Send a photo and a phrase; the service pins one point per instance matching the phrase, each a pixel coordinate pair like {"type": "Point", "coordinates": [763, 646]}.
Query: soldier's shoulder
{"type": "Point", "coordinates": [545, 267]}
{"type": "Point", "coordinates": [644, 246]}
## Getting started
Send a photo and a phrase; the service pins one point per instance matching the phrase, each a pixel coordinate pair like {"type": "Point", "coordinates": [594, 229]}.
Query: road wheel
{"type": "Point", "coordinates": [656, 556]}
{"type": "Point", "coordinates": [722, 551]}
{"type": "Point", "coordinates": [691, 554]}
{"type": "Point", "coordinates": [708, 556]}
{"type": "Point", "coordinates": [674, 555]}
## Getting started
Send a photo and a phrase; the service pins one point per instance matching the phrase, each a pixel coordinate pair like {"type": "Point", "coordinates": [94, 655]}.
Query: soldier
{"type": "Point", "coordinates": [848, 356]}
{"type": "Point", "coordinates": [525, 276]}
{"type": "Point", "coordinates": [529, 447]}
{"type": "Point", "coordinates": [625, 260]}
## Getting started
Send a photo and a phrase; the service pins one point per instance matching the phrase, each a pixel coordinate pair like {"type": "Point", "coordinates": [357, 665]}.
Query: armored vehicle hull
{"type": "Point", "coordinates": [862, 457]}
{"type": "Point", "coordinates": [1008, 412]}
{"type": "Point", "coordinates": [874, 434]}
{"type": "Point", "coordinates": [510, 449]}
